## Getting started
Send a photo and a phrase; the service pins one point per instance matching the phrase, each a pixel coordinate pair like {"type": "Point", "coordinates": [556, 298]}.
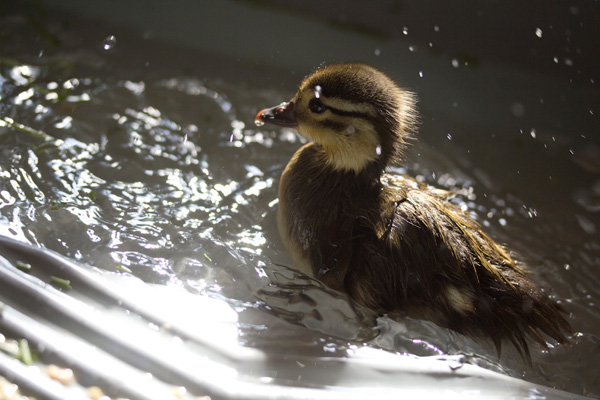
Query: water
{"type": "Point", "coordinates": [109, 42]}
{"type": "Point", "coordinates": [159, 171]}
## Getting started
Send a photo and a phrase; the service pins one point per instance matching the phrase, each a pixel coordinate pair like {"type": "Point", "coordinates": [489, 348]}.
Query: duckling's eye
{"type": "Point", "coordinates": [316, 105]}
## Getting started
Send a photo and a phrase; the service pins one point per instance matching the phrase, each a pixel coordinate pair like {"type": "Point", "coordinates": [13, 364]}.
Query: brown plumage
{"type": "Point", "coordinates": [392, 243]}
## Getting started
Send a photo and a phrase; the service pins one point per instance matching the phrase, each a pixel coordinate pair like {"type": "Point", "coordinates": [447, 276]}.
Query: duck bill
{"type": "Point", "coordinates": [282, 115]}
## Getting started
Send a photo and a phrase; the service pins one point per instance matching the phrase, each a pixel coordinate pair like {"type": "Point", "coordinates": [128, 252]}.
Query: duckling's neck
{"type": "Point", "coordinates": [356, 154]}
{"type": "Point", "coordinates": [310, 171]}
{"type": "Point", "coordinates": [358, 174]}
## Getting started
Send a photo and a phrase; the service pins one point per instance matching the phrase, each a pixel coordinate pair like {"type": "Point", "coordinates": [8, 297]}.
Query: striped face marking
{"type": "Point", "coordinates": [342, 127]}
{"type": "Point", "coordinates": [356, 114]}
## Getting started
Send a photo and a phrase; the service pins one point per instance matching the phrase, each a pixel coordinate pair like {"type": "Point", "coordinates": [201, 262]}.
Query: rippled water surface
{"type": "Point", "coordinates": [160, 173]}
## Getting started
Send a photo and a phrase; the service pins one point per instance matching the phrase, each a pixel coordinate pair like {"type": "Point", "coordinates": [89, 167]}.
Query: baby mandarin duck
{"type": "Point", "coordinates": [393, 244]}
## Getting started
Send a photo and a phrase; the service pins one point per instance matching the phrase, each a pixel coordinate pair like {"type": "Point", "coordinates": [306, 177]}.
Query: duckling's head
{"type": "Point", "coordinates": [355, 112]}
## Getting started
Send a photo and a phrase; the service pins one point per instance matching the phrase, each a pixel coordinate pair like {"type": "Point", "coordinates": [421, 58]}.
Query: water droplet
{"type": "Point", "coordinates": [236, 124]}
{"type": "Point", "coordinates": [377, 52]}
{"type": "Point", "coordinates": [455, 364]}
{"type": "Point", "coordinates": [421, 74]}
{"type": "Point", "coordinates": [568, 62]}
{"type": "Point", "coordinates": [378, 150]}
{"type": "Point", "coordinates": [411, 48]}
{"type": "Point", "coordinates": [405, 30]}
{"type": "Point", "coordinates": [258, 122]}
{"type": "Point", "coordinates": [109, 42]}
{"type": "Point", "coordinates": [532, 133]}
{"type": "Point", "coordinates": [517, 109]}
{"type": "Point", "coordinates": [449, 136]}
{"type": "Point", "coordinates": [455, 63]}
{"type": "Point", "coordinates": [318, 91]}
{"type": "Point", "coordinates": [585, 224]}
{"type": "Point", "coordinates": [436, 28]}
{"type": "Point", "coordinates": [538, 32]}
{"type": "Point", "coordinates": [71, 83]}
{"type": "Point", "coordinates": [555, 59]}
{"type": "Point", "coordinates": [351, 130]}
{"type": "Point", "coordinates": [532, 212]}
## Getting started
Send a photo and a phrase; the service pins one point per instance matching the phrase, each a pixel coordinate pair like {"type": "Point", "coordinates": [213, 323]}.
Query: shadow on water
{"type": "Point", "coordinates": [115, 156]}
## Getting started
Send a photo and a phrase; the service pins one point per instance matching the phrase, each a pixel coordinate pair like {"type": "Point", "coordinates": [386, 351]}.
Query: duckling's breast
{"type": "Point", "coordinates": [316, 215]}
{"type": "Point", "coordinates": [294, 226]}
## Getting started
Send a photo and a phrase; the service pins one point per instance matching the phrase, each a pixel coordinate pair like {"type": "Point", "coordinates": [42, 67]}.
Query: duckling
{"type": "Point", "coordinates": [393, 244]}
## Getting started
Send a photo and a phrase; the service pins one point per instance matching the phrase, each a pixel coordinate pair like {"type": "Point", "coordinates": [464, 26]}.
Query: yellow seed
{"type": "Point", "coordinates": [8, 390]}
{"type": "Point", "coordinates": [62, 375]}
{"type": "Point", "coordinates": [95, 393]}
{"type": "Point", "coordinates": [179, 391]}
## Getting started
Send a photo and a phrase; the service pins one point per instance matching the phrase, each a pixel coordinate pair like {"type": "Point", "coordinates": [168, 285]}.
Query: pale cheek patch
{"type": "Point", "coordinates": [350, 148]}
{"type": "Point", "coordinates": [316, 133]}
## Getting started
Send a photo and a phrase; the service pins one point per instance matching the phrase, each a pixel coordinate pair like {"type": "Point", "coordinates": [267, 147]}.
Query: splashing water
{"type": "Point", "coordinates": [109, 42]}
{"type": "Point", "coordinates": [318, 91]}
{"type": "Point", "coordinates": [174, 199]}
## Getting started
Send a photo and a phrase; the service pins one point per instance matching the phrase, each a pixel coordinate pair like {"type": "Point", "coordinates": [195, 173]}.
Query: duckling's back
{"type": "Point", "coordinates": [434, 262]}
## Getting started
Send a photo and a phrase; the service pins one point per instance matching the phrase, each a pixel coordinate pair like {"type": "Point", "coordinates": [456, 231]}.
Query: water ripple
{"type": "Point", "coordinates": [163, 177]}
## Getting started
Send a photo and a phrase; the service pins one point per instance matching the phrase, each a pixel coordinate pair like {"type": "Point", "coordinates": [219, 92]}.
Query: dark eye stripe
{"type": "Point", "coordinates": [333, 125]}
{"type": "Point", "coordinates": [354, 114]}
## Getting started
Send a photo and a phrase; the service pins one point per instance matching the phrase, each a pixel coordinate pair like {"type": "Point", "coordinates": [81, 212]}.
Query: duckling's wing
{"type": "Point", "coordinates": [443, 261]}
{"type": "Point", "coordinates": [400, 184]}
